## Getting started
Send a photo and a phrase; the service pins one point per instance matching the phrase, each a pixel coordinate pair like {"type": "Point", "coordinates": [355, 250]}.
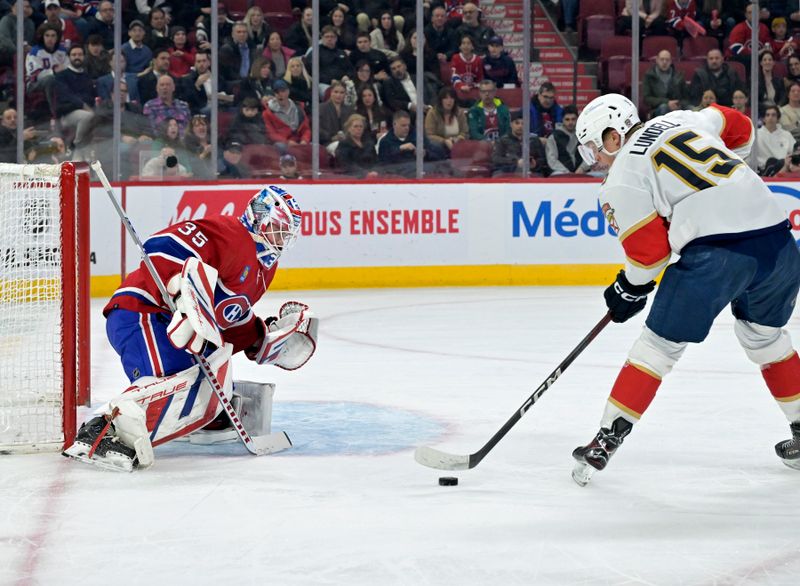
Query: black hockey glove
{"type": "Point", "coordinates": [625, 300]}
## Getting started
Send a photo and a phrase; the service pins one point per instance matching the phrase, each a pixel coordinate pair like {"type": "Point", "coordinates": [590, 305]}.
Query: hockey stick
{"type": "Point", "coordinates": [258, 445]}
{"type": "Point", "coordinates": [434, 458]}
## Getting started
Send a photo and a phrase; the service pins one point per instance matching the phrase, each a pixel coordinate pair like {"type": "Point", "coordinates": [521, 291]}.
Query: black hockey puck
{"type": "Point", "coordinates": [448, 481]}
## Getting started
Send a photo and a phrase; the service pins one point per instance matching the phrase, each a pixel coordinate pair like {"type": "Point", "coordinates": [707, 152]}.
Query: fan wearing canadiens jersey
{"type": "Point", "coordinates": [678, 185]}
{"type": "Point", "coordinates": [216, 269]}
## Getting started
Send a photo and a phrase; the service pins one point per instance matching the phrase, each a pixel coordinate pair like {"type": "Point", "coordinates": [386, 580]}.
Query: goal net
{"type": "Point", "coordinates": [44, 295]}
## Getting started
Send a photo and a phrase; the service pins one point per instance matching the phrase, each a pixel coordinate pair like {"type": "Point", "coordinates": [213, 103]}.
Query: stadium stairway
{"type": "Point", "coordinates": [552, 58]}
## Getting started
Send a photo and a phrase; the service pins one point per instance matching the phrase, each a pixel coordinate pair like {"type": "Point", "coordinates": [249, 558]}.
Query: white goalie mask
{"type": "Point", "coordinates": [273, 218]}
{"type": "Point", "coordinates": [609, 111]}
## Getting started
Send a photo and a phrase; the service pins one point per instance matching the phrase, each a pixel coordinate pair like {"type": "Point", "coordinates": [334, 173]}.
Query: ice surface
{"type": "Point", "coordinates": [695, 496]}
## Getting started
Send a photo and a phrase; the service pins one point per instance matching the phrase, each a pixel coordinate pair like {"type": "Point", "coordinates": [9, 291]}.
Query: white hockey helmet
{"type": "Point", "coordinates": [608, 111]}
{"type": "Point", "coordinates": [273, 218]}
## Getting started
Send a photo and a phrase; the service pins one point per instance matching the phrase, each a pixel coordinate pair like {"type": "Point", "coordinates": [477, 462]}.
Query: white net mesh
{"type": "Point", "coordinates": [31, 373]}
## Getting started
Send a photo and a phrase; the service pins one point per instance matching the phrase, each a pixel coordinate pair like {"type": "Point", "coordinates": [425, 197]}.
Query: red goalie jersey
{"type": "Point", "coordinates": [222, 242]}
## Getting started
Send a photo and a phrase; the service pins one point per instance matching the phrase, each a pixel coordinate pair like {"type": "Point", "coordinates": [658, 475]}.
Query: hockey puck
{"type": "Point", "coordinates": [448, 481]}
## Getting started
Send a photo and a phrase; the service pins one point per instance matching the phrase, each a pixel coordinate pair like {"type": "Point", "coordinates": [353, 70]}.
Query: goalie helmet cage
{"type": "Point", "coordinates": [44, 304]}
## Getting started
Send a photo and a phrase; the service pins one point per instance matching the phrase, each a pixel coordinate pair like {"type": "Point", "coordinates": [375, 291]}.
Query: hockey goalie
{"type": "Point", "coordinates": [215, 269]}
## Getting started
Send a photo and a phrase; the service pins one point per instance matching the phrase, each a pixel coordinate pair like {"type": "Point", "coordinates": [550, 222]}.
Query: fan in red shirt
{"type": "Point", "coordinates": [739, 41]}
{"type": "Point", "coordinates": [467, 70]}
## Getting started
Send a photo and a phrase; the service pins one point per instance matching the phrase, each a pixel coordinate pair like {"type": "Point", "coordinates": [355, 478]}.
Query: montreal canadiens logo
{"type": "Point", "coordinates": [231, 310]}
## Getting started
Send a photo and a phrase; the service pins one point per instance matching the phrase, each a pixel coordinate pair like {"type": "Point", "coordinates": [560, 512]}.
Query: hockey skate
{"type": "Point", "coordinates": [789, 451]}
{"type": "Point", "coordinates": [110, 454]}
{"type": "Point", "coordinates": [598, 452]}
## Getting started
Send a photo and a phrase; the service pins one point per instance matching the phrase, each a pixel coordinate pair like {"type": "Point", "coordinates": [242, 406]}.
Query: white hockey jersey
{"type": "Point", "coordinates": [39, 63]}
{"type": "Point", "coordinates": [679, 178]}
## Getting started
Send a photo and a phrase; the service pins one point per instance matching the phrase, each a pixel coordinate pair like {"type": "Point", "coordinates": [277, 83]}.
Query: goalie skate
{"type": "Point", "coordinates": [110, 454]}
{"type": "Point", "coordinates": [789, 451]}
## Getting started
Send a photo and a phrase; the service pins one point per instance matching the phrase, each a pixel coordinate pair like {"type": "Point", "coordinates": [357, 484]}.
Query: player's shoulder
{"type": "Point", "coordinates": [623, 176]}
{"type": "Point", "coordinates": [653, 131]}
{"type": "Point", "coordinates": [672, 120]}
{"type": "Point", "coordinates": [661, 129]}
{"type": "Point", "coordinates": [210, 225]}
{"type": "Point", "coordinates": [228, 225]}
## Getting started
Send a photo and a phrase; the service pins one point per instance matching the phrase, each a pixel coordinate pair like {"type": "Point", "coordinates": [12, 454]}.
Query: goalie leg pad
{"type": "Point", "coordinates": [131, 428]}
{"type": "Point", "coordinates": [253, 403]}
{"type": "Point", "coordinates": [182, 403]}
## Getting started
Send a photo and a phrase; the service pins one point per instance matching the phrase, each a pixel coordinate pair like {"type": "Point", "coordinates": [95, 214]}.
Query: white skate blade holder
{"type": "Point", "coordinates": [79, 452]}
{"type": "Point", "coordinates": [582, 473]}
{"type": "Point", "coordinates": [253, 402]}
{"type": "Point", "coordinates": [794, 464]}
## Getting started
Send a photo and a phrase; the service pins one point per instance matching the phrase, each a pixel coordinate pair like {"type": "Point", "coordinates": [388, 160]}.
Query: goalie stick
{"type": "Point", "coordinates": [433, 458]}
{"type": "Point", "coordinates": [259, 445]}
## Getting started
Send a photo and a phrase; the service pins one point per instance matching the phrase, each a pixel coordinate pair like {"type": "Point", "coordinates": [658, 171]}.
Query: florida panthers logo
{"type": "Point", "coordinates": [608, 211]}
{"type": "Point", "coordinates": [231, 310]}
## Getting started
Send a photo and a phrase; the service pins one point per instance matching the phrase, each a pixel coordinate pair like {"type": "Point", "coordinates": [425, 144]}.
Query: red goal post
{"type": "Point", "coordinates": [44, 304]}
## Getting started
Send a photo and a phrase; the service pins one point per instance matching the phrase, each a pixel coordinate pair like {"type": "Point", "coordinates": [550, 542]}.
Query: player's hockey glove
{"type": "Point", "coordinates": [625, 300]}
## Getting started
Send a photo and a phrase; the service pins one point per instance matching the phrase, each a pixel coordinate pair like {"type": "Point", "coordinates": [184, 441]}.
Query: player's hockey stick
{"type": "Point", "coordinates": [434, 458]}
{"type": "Point", "coordinates": [258, 445]}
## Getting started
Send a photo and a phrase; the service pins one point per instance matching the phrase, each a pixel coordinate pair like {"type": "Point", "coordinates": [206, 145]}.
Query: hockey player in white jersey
{"type": "Point", "coordinates": [678, 184]}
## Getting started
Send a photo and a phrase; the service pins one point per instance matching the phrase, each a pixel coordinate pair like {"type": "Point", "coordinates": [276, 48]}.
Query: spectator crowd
{"type": "Point", "coordinates": [368, 85]}
{"type": "Point", "coordinates": [680, 76]}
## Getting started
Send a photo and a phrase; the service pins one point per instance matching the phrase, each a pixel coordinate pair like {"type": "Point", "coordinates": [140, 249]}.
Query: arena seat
{"type": "Point", "coordinates": [303, 153]}
{"type": "Point", "coordinates": [696, 48]}
{"type": "Point", "coordinates": [589, 10]}
{"type": "Point", "coordinates": [261, 159]}
{"type": "Point", "coordinates": [597, 27]}
{"type": "Point", "coordinates": [280, 21]}
{"type": "Point", "coordinates": [652, 46]}
{"type": "Point", "coordinates": [472, 158]}
{"type": "Point", "coordinates": [511, 97]}
{"type": "Point", "coordinates": [615, 53]}
{"type": "Point", "coordinates": [237, 8]}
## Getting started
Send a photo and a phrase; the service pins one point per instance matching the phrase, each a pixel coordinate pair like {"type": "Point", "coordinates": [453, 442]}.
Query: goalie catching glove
{"type": "Point", "coordinates": [287, 341]}
{"type": "Point", "coordinates": [193, 323]}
